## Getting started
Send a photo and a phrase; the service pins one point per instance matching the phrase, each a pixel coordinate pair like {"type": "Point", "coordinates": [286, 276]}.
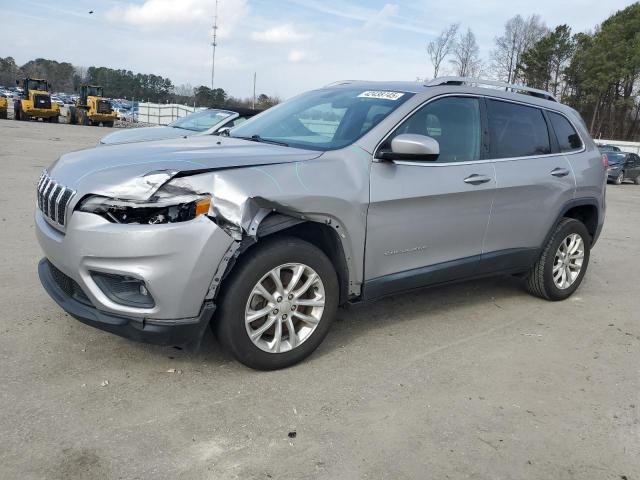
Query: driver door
{"type": "Point", "coordinates": [427, 218]}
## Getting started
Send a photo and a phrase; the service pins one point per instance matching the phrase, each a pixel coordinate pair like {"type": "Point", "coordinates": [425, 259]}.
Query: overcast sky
{"type": "Point", "coordinates": [293, 45]}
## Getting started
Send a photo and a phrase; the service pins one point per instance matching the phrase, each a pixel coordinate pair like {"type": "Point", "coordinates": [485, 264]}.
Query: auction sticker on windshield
{"type": "Point", "coordinates": [381, 94]}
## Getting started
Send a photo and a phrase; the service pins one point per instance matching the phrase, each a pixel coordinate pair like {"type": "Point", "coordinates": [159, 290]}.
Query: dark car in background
{"type": "Point", "coordinates": [608, 148]}
{"type": "Point", "coordinates": [623, 166]}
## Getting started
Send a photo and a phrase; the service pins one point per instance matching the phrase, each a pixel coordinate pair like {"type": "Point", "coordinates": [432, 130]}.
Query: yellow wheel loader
{"type": "Point", "coordinates": [35, 102]}
{"type": "Point", "coordinates": [4, 105]}
{"type": "Point", "coordinates": [91, 108]}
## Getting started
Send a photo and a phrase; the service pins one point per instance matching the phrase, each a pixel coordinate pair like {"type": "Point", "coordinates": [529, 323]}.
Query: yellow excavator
{"type": "Point", "coordinates": [35, 102]}
{"type": "Point", "coordinates": [91, 108]}
{"type": "Point", "coordinates": [4, 106]}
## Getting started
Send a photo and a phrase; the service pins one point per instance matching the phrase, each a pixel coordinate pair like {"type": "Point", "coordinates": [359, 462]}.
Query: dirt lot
{"type": "Point", "coordinates": [477, 380]}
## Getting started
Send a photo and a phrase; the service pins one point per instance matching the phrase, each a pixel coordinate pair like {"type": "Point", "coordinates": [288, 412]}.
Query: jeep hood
{"type": "Point", "coordinates": [135, 171]}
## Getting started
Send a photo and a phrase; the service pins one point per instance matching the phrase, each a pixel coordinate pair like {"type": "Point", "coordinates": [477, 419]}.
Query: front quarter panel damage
{"type": "Point", "coordinates": [332, 189]}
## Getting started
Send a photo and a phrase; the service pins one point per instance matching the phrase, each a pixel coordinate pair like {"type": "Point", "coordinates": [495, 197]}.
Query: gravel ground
{"type": "Point", "coordinates": [477, 380]}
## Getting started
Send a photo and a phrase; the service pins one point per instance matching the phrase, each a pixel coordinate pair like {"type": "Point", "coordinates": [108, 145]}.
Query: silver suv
{"type": "Point", "coordinates": [340, 195]}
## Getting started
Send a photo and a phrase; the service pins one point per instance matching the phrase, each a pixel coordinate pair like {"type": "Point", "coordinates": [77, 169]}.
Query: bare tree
{"type": "Point", "coordinates": [184, 90]}
{"type": "Point", "coordinates": [519, 35]}
{"type": "Point", "coordinates": [440, 47]}
{"type": "Point", "coordinates": [466, 56]}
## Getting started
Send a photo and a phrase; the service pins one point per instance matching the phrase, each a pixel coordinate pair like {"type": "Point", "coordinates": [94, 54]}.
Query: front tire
{"type": "Point", "coordinates": [563, 262]}
{"type": "Point", "coordinates": [278, 304]}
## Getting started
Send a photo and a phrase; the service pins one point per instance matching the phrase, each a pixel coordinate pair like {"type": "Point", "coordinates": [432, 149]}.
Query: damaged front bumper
{"type": "Point", "coordinates": [185, 331]}
{"type": "Point", "coordinates": [174, 262]}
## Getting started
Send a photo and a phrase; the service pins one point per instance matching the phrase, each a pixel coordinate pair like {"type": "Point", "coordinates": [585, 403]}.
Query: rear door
{"type": "Point", "coordinates": [632, 167]}
{"type": "Point", "coordinates": [427, 218]}
{"type": "Point", "coordinates": [534, 180]}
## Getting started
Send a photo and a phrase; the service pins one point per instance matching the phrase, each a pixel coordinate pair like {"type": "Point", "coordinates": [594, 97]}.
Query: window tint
{"type": "Point", "coordinates": [568, 138]}
{"type": "Point", "coordinates": [516, 130]}
{"type": "Point", "coordinates": [454, 122]}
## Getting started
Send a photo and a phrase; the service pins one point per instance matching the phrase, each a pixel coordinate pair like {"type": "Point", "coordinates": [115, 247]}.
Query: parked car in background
{"type": "Point", "coordinates": [267, 226]}
{"type": "Point", "coordinates": [204, 122]}
{"type": "Point", "coordinates": [58, 100]}
{"type": "Point", "coordinates": [608, 148]}
{"type": "Point", "coordinates": [623, 166]}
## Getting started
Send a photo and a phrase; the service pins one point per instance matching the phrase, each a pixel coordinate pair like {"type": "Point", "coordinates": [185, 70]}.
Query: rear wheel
{"type": "Point", "coordinates": [72, 116]}
{"type": "Point", "coordinates": [278, 304]}
{"type": "Point", "coordinates": [619, 179]}
{"type": "Point", "coordinates": [563, 262]}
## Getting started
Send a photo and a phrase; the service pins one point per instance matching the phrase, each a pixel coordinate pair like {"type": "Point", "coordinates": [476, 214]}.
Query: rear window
{"type": "Point", "coordinates": [517, 130]}
{"type": "Point", "coordinates": [568, 138]}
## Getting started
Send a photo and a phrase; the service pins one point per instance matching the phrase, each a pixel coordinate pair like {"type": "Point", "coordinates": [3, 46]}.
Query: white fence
{"type": "Point", "coordinates": [633, 147]}
{"type": "Point", "coordinates": [162, 113]}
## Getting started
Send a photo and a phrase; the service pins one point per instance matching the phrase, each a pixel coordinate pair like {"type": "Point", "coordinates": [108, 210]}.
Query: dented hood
{"type": "Point", "coordinates": [117, 170]}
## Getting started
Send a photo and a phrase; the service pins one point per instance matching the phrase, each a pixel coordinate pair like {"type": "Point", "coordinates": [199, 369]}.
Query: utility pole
{"type": "Point", "coordinates": [254, 90]}
{"type": "Point", "coordinates": [214, 44]}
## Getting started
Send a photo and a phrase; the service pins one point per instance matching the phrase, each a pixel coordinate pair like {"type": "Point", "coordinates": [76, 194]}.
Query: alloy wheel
{"type": "Point", "coordinates": [568, 261]}
{"type": "Point", "coordinates": [284, 307]}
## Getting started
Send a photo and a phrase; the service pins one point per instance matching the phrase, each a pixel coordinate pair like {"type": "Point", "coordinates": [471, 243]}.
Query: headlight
{"type": "Point", "coordinates": [165, 210]}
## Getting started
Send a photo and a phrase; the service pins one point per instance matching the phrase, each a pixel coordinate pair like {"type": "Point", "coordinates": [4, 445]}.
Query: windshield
{"type": "Point", "coordinates": [38, 85]}
{"type": "Point", "coordinates": [201, 121]}
{"type": "Point", "coordinates": [323, 119]}
{"type": "Point", "coordinates": [94, 91]}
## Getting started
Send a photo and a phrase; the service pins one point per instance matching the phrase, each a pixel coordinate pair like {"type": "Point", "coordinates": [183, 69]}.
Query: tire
{"type": "Point", "coordinates": [108, 124]}
{"type": "Point", "coordinates": [54, 119]}
{"type": "Point", "coordinates": [619, 179]}
{"type": "Point", "coordinates": [238, 291]}
{"type": "Point", "coordinates": [16, 114]}
{"type": "Point", "coordinates": [540, 279]}
{"type": "Point", "coordinates": [3, 115]}
{"type": "Point", "coordinates": [72, 119]}
{"type": "Point", "coordinates": [637, 180]}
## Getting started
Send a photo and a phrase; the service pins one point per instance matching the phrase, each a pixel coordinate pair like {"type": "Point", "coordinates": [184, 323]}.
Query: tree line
{"type": "Point", "coordinates": [120, 83]}
{"type": "Point", "coordinates": [597, 72]}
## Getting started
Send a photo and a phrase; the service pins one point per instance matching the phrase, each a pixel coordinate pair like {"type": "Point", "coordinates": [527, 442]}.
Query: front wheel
{"type": "Point", "coordinates": [278, 304]}
{"type": "Point", "coordinates": [563, 262]}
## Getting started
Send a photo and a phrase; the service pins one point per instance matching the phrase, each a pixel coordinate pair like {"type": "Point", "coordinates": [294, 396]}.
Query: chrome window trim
{"type": "Point", "coordinates": [484, 160]}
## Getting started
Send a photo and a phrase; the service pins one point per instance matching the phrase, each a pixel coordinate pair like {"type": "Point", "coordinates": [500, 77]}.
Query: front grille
{"type": "Point", "coordinates": [68, 285]}
{"type": "Point", "coordinates": [42, 101]}
{"type": "Point", "coordinates": [104, 106]}
{"type": "Point", "coordinates": [53, 199]}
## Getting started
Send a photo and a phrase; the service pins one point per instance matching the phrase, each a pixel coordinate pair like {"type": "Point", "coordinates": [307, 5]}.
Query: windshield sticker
{"type": "Point", "coordinates": [381, 94]}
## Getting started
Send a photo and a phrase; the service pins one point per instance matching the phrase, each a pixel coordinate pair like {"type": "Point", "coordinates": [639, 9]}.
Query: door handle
{"type": "Point", "coordinates": [476, 179]}
{"type": "Point", "coordinates": [560, 172]}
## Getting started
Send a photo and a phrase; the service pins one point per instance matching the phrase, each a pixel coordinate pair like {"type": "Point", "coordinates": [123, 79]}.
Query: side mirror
{"type": "Point", "coordinates": [411, 146]}
{"type": "Point", "coordinates": [223, 132]}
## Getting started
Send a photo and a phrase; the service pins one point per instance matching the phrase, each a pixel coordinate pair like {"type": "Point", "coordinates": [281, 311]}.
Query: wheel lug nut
{"type": "Point", "coordinates": [284, 317]}
{"type": "Point", "coordinates": [279, 299]}
{"type": "Point", "coordinates": [290, 296]}
{"type": "Point", "coordinates": [275, 312]}
{"type": "Point", "coordinates": [293, 307]}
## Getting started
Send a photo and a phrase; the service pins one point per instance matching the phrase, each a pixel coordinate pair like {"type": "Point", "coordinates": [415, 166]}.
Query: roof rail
{"type": "Point", "coordinates": [340, 82]}
{"type": "Point", "coordinates": [476, 81]}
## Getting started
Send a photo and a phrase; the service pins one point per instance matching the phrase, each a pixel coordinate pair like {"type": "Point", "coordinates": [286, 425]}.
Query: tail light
{"type": "Point", "coordinates": [605, 160]}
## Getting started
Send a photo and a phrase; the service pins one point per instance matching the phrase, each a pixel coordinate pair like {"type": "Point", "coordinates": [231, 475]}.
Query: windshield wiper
{"type": "Point", "coordinates": [258, 138]}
